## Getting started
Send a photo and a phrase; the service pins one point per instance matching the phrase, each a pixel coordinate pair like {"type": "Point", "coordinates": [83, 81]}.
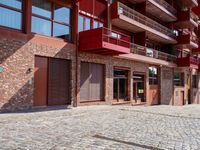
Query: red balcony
{"type": "Point", "coordinates": [104, 41]}
{"type": "Point", "coordinates": [188, 62]}
{"type": "Point", "coordinates": [187, 41]}
{"type": "Point", "coordinates": [196, 10]}
{"type": "Point", "coordinates": [186, 19]}
{"type": "Point", "coordinates": [128, 19]}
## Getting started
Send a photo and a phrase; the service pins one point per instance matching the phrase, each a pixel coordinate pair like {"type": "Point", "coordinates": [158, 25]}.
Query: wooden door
{"type": "Point", "coordinates": [40, 81]}
{"type": "Point", "coordinates": [59, 82]}
{"type": "Point", "coordinates": [153, 94]}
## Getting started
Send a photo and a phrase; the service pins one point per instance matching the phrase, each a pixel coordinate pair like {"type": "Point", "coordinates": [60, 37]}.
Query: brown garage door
{"type": "Point", "coordinates": [58, 82]}
{"type": "Point", "coordinates": [92, 82]}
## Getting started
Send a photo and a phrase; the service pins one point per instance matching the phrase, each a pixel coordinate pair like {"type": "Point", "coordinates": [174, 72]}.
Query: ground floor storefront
{"type": "Point", "coordinates": [37, 72]}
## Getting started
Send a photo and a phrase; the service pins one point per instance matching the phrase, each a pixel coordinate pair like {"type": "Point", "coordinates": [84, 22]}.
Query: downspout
{"type": "Point", "coordinates": [75, 104]}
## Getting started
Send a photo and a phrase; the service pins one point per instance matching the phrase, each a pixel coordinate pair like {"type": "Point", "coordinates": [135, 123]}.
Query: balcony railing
{"type": "Point", "coordinates": [167, 6]}
{"type": "Point", "coordinates": [115, 37]}
{"type": "Point", "coordinates": [144, 51]}
{"type": "Point", "coordinates": [132, 14]}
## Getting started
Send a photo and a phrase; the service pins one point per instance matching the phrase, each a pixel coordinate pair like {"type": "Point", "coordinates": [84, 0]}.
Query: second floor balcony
{"type": "Point", "coordinates": [104, 41]}
{"type": "Point", "coordinates": [129, 19]}
{"type": "Point", "coordinates": [189, 61]}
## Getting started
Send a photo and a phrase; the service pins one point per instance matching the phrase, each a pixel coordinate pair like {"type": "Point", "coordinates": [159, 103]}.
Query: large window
{"type": "Point", "coordinates": [153, 76]}
{"type": "Point", "coordinates": [51, 19]}
{"type": "Point", "coordinates": [179, 79]}
{"type": "Point", "coordinates": [11, 14]}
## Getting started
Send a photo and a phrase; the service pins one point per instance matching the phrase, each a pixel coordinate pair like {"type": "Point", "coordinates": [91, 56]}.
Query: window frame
{"type": "Point", "coordinates": [15, 10]}
{"type": "Point", "coordinates": [53, 4]}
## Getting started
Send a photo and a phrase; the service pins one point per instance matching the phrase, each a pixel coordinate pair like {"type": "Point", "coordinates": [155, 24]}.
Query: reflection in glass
{"type": "Point", "coordinates": [61, 31]}
{"type": "Point", "coordinates": [87, 20]}
{"type": "Point", "coordinates": [41, 26]}
{"type": "Point", "coordinates": [62, 14]}
{"type": "Point", "coordinates": [80, 23]}
{"type": "Point", "coordinates": [12, 3]}
{"type": "Point", "coordinates": [10, 18]}
{"type": "Point", "coordinates": [95, 25]}
{"type": "Point", "coordinates": [42, 8]}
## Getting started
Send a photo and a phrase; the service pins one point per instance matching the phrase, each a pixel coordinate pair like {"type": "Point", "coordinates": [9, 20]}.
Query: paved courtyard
{"type": "Point", "coordinates": [103, 127]}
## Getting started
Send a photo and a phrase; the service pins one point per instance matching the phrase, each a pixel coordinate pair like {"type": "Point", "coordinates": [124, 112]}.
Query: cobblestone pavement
{"type": "Point", "coordinates": [103, 127]}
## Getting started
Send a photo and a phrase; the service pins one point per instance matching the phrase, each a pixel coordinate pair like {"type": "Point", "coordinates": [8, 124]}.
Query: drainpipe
{"type": "Point", "coordinates": [76, 5]}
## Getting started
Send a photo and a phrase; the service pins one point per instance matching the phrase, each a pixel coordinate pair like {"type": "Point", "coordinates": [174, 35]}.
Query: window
{"type": "Point", "coordinates": [84, 23]}
{"type": "Point", "coordinates": [194, 81]}
{"type": "Point", "coordinates": [11, 14]}
{"type": "Point", "coordinates": [179, 79]}
{"type": "Point", "coordinates": [51, 19]}
{"type": "Point", "coordinates": [153, 76]}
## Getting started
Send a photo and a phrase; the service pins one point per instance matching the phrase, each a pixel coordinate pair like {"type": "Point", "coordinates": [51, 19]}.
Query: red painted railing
{"type": "Point", "coordinates": [145, 51]}
{"type": "Point", "coordinates": [115, 37]}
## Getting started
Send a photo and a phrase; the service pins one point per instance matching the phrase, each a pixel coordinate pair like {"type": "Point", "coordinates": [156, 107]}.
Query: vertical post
{"type": "Point", "coordinates": [27, 16]}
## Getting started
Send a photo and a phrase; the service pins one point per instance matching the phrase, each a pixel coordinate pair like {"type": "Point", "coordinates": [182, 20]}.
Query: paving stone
{"type": "Point", "coordinates": [103, 128]}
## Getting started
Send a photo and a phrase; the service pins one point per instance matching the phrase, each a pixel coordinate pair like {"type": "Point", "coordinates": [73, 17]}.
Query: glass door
{"type": "Point", "coordinates": [139, 88]}
{"type": "Point", "coordinates": [120, 85]}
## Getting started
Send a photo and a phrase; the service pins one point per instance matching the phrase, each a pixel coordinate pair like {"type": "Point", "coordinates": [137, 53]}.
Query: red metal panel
{"type": "Point", "coordinates": [188, 62]}
{"type": "Point", "coordinates": [183, 39]}
{"type": "Point", "coordinates": [184, 15]}
{"type": "Point", "coordinates": [87, 6]}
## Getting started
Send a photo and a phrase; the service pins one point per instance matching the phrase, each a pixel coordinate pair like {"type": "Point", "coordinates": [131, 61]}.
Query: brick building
{"type": "Point", "coordinates": [67, 52]}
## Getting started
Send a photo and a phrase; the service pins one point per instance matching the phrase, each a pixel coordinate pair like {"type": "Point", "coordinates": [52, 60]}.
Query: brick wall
{"type": "Point", "coordinates": [17, 59]}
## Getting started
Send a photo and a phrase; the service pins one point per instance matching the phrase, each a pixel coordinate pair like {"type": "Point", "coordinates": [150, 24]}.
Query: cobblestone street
{"type": "Point", "coordinates": [103, 127]}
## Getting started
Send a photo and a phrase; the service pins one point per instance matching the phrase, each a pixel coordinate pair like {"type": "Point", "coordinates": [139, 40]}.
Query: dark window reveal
{"type": "Point", "coordinates": [179, 79]}
{"type": "Point", "coordinates": [153, 76]}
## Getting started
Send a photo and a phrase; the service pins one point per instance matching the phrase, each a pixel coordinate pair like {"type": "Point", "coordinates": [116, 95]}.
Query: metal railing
{"type": "Point", "coordinates": [132, 14]}
{"type": "Point", "coordinates": [167, 6]}
{"type": "Point", "coordinates": [144, 51]}
{"type": "Point", "coordinates": [114, 37]}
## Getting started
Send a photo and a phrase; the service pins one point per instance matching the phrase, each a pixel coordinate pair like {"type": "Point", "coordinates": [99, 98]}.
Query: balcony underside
{"type": "Point", "coordinates": [106, 49]}
{"type": "Point", "coordinates": [188, 3]}
{"type": "Point", "coordinates": [189, 45]}
{"type": "Point", "coordinates": [159, 11]}
{"type": "Point", "coordinates": [148, 60]}
{"type": "Point", "coordinates": [186, 24]}
{"type": "Point", "coordinates": [134, 26]}
{"type": "Point", "coordinates": [136, 1]}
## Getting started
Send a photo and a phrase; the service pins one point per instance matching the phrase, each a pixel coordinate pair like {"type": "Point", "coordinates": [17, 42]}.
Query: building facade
{"type": "Point", "coordinates": [85, 52]}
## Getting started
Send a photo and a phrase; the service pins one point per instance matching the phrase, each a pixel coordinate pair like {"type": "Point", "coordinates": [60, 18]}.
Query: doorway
{"type": "Point", "coordinates": [139, 88]}
{"type": "Point", "coordinates": [120, 85]}
{"type": "Point", "coordinates": [51, 81]}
